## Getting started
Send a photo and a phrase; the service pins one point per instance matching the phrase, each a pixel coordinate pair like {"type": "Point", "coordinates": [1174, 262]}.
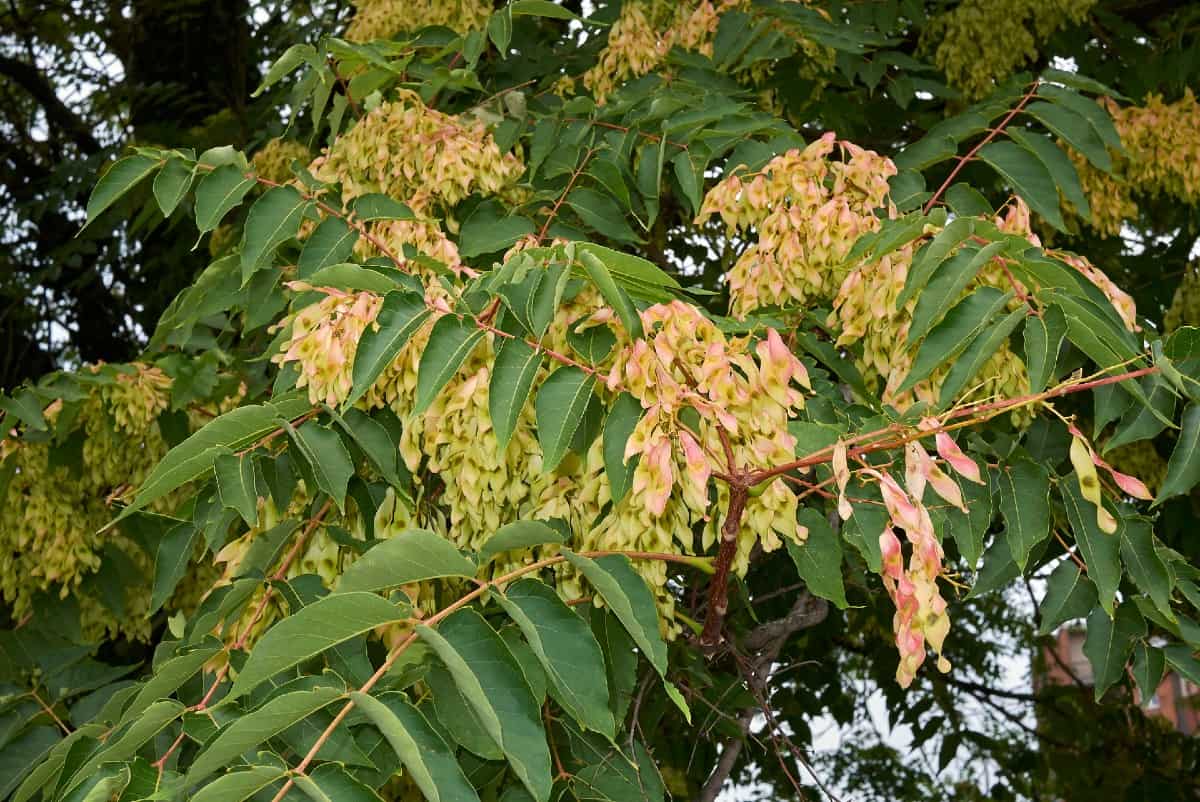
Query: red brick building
{"type": "Point", "coordinates": [1176, 699]}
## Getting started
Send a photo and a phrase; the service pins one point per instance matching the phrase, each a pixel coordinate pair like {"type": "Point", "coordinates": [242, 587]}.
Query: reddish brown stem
{"type": "Point", "coordinates": [433, 621]}
{"type": "Point", "coordinates": [962, 160]}
{"type": "Point", "coordinates": [718, 597]}
{"type": "Point", "coordinates": [976, 412]}
{"type": "Point", "coordinates": [567, 191]}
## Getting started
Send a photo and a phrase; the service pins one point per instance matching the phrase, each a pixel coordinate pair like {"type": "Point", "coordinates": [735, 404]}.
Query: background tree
{"type": "Point", "coordinates": [840, 229]}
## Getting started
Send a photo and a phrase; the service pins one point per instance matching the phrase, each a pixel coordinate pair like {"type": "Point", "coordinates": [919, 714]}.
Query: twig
{"type": "Point", "coordinates": [962, 160]}
{"type": "Point", "coordinates": [437, 618]}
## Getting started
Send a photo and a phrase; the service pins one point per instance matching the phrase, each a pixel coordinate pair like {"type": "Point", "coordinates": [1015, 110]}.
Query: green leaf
{"type": "Point", "coordinates": [567, 650]}
{"type": "Point", "coordinates": [1183, 469]}
{"type": "Point", "coordinates": [618, 428]}
{"type": "Point", "coordinates": [543, 8]}
{"type": "Point", "coordinates": [328, 458]}
{"type": "Point", "coordinates": [249, 730]}
{"type": "Point", "coordinates": [427, 758]}
{"type": "Point", "coordinates": [1181, 659]}
{"type": "Point", "coordinates": [329, 782]}
{"type": "Point", "coordinates": [1148, 665]}
{"type": "Point", "coordinates": [517, 364]}
{"type": "Point", "coordinates": [172, 556]}
{"type": "Point", "coordinates": [626, 594]}
{"type": "Point", "coordinates": [1095, 329]}
{"type": "Point", "coordinates": [1147, 420]}
{"type": "Point", "coordinates": [819, 558]}
{"type": "Point", "coordinates": [946, 285]}
{"type": "Point", "coordinates": [691, 180]}
{"type": "Point", "coordinates": [238, 479]}
{"type": "Point", "coordinates": [331, 243]}
{"type": "Point", "coordinates": [499, 30]}
{"type": "Point", "coordinates": [450, 343]}
{"type": "Point", "coordinates": [311, 630]}
{"type": "Point", "coordinates": [124, 175]}
{"type": "Point", "coordinates": [22, 754]}
{"type": "Point", "coordinates": [561, 402]}
{"type": "Point", "coordinates": [1025, 505]}
{"type": "Point", "coordinates": [831, 357]}
{"type": "Point", "coordinates": [172, 184]}
{"type": "Point", "coordinates": [1028, 177]}
{"type": "Point", "coordinates": [1101, 551]}
{"type": "Point", "coordinates": [970, 529]}
{"type": "Point", "coordinates": [125, 743]}
{"type": "Point", "coordinates": [518, 535]}
{"type": "Point", "coordinates": [379, 447]}
{"type": "Point", "coordinates": [1058, 164]}
{"type": "Point", "coordinates": [217, 193]}
{"type": "Point", "coordinates": [195, 456]}
{"type": "Point", "coordinates": [168, 677]}
{"type": "Point", "coordinates": [1144, 565]}
{"type": "Point", "coordinates": [1069, 595]}
{"type": "Point", "coordinates": [534, 300]}
{"type": "Point", "coordinates": [1109, 642]}
{"type": "Point", "coordinates": [377, 206]}
{"type": "Point", "coordinates": [966, 201]}
{"type": "Point", "coordinates": [960, 326]}
{"type": "Point", "coordinates": [353, 278]}
{"type": "Point", "coordinates": [292, 58]}
{"type": "Point", "coordinates": [26, 407]}
{"type": "Point", "coordinates": [1075, 130]}
{"type": "Point", "coordinates": [1044, 337]}
{"type": "Point", "coordinates": [410, 556]}
{"type": "Point", "coordinates": [273, 219]}
{"type": "Point", "coordinates": [975, 355]}
{"type": "Point", "coordinates": [239, 785]}
{"type": "Point", "coordinates": [459, 722]}
{"type": "Point", "coordinates": [630, 271]}
{"type": "Point", "coordinates": [601, 213]}
{"type": "Point", "coordinates": [931, 256]}
{"type": "Point", "coordinates": [491, 680]}
{"type": "Point", "coordinates": [613, 294]}
{"type": "Point", "coordinates": [927, 152]}
{"type": "Point", "coordinates": [490, 229]}
{"type": "Point", "coordinates": [613, 775]}
{"type": "Point", "coordinates": [1091, 111]}
{"type": "Point", "coordinates": [401, 314]}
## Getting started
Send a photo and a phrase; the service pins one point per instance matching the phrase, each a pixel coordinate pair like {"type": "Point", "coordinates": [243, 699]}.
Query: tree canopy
{"type": "Point", "coordinates": [597, 401]}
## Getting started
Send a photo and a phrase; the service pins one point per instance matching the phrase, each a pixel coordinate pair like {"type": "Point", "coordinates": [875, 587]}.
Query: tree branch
{"type": "Point", "coordinates": [765, 642]}
{"type": "Point", "coordinates": [29, 78]}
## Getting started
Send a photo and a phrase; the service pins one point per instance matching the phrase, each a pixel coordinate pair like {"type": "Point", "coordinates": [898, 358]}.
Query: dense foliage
{"type": "Point", "coordinates": [581, 403]}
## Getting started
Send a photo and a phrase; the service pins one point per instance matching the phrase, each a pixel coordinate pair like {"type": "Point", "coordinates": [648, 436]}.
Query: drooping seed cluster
{"type": "Point", "coordinates": [383, 19]}
{"type": "Point", "coordinates": [1185, 303]}
{"type": "Point", "coordinates": [324, 339]}
{"type": "Point", "coordinates": [686, 362]}
{"type": "Point", "coordinates": [1161, 159]}
{"type": "Point", "coordinates": [921, 616]}
{"type": "Point", "coordinates": [979, 43]}
{"type": "Point", "coordinates": [426, 158]}
{"type": "Point", "coordinates": [55, 504]}
{"type": "Point", "coordinates": [646, 30]}
{"type": "Point", "coordinates": [273, 160]}
{"type": "Point", "coordinates": [1016, 219]}
{"type": "Point", "coordinates": [808, 210]}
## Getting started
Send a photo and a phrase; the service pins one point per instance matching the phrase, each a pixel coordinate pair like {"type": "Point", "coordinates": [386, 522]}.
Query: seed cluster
{"type": "Point", "coordinates": [383, 19]}
{"type": "Point", "coordinates": [1161, 159]}
{"type": "Point", "coordinates": [979, 43]}
{"type": "Point", "coordinates": [53, 512]}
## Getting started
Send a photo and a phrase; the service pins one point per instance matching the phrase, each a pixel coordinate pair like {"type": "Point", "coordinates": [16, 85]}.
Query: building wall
{"type": "Point", "coordinates": [1176, 699]}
